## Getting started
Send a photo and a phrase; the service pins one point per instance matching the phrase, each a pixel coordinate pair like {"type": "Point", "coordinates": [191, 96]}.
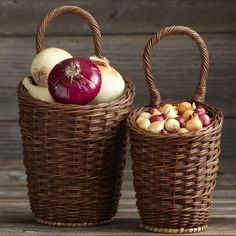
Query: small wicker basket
{"type": "Point", "coordinates": [74, 155]}
{"type": "Point", "coordinates": [175, 174]}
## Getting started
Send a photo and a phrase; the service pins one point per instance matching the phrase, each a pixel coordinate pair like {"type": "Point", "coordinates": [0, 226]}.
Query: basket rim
{"type": "Point", "coordinates": [128, 94]}
{"type": "Point", "coordinates": [215, 125]}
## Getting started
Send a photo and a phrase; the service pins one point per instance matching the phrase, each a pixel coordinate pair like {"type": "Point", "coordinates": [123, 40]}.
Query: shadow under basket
{"type": "Point", "coordinates": [175, 174]}
{"type": "Point", "coordinates": [74, 158]}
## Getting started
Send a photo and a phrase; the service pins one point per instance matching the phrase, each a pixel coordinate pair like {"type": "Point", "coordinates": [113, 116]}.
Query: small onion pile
{"type": "Point", "coordinates": [57, 76]}
{"type": "Point", "coordinates": [183, 118]}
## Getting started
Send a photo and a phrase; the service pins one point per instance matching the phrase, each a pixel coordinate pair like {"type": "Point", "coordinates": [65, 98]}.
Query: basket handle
{"type": "Point", "coordinates": [200, 92]}
{"type": "Point", "coordinates": [40, 36]}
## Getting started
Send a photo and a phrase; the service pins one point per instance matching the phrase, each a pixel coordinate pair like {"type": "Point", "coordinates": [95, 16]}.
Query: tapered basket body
{"type": "Point", "coordinates": [175, 174]}
{"type": "Point", "coordinates": [74, 155]}
{"type": "Point", "coordinates": [74, 158]}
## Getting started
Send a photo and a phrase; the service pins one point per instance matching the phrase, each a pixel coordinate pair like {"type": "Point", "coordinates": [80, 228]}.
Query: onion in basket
{"type": "Point", "coordinates": [43, 63]}
{"type": "Point", "coordinates": [113, 85]}
{"type": "Point", "coordinates": [194, 124]}
{"type": "Point", "coordinates": [75, 80]}
{"type": "Point", "coordinates": [37, 92]}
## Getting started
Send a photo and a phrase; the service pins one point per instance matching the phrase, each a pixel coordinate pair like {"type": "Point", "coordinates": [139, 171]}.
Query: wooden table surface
{"type": "Point", "coordinates": [126, 27]}
{"type": "Point", "coordinates": [16, 217]}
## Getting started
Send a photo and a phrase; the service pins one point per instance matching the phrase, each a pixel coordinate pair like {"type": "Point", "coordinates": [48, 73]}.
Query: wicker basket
{"type": "Point", "coordinates": [175, 174]}
{"type": "Point", "coordinates": [74, 155]}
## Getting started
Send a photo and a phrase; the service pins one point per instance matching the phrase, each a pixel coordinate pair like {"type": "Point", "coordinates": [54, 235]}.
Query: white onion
{"type": "Point", "coordinates": [166, 108]}
{"type": "Point", "coordinates": [171, 114]}
{"type": "Point", "coordinates": [139, 119]}
{"type": "Point", "coordinates": [172, 125]}
{"type": "Point", "coordinates": [113, 85]}
{"type": "Point", "coordinates": [44, 62]}
{"type": "Point", "coordinates": [183, 130]}
{"type": "Point", "coordinates": [157, 127]}
{"type": "Point", "coordinates": [145, 115]}
{"type": "Point", "coordinates": [144, 124]}
{"type": "Point", "coordinates": [37, 92]}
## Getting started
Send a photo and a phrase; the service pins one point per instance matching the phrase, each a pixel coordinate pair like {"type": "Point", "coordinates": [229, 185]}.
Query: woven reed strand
{"type": "Point", "coordinates": [199, 94]}
{"type": "Point", "coordinates": [40, 38]}
{"type": "Point", "coordinates": [175, 174]}
{"type": "Point", "coordinates": [74, 157]}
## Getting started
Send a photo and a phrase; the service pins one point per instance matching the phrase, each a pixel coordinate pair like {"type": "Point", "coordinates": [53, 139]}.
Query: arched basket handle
{"type": "Point", "coordinates": [199, 94]}
{"type": "Point", "coordinates": [40, 37]}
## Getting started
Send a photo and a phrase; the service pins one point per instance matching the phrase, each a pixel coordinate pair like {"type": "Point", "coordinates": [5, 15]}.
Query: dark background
{"type": "Point", "coordinates": [126, 27]}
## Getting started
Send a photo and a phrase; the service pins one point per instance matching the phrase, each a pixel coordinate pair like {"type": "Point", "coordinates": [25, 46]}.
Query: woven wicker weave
{"type": "Point", "coordinates": [174, 174]}
{"type": "Point", "coordinates": [74, 155]}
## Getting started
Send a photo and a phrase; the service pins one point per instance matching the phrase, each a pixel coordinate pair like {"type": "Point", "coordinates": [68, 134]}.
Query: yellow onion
{"type": "Point", "coordinates": [138, 120]}
{"type": "Point", "coordinates": [144, 124]}
{"type": "Point", "coordinates": [183, 130]}
{"type": "Point", "coordinates": [166, 108]}
{"type": "Point", "coordinates": [184, 106]}
{"type": "Point", "coordinates": [145, 115]}
{"type": "Point", "coordinates": [171, 114]}
{"type": "Point", "coordinates": [157, 127]}
{"type": "Point", "coordinates": [113, 85]}
{"type": "Point", "coordinates": [194, 124]}
{"type": "Point", "coordinates": [172, 125]}
{"type": "Point", "coordinates": [188, 114]}
{"type": "Point", "coordinates": [40, 93]}
{"type": "Point", "coordinates": [44, 62]}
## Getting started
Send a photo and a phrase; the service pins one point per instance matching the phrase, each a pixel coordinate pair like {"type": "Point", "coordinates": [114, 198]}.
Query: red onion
{"type": "Point", "coordinates": [182, 121]}
{"type": "Point", "coordinates": [200, 110]}
{"type": "Point", "coordinates": [157, 118]}
{"type": "Point", "coordinates": [205, 119]}
{"type": "Point", "coordinates": [75, 80]}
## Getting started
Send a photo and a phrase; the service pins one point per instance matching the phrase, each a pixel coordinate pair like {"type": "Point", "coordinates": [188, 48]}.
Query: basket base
{"type": "Point", "coordinates": [173, 230]}
{"type": "Point", "coordinates": [63, 224]}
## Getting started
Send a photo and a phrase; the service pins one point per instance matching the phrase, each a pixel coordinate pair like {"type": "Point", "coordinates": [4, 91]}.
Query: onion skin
{"type": "Point", "coordinates": [182, 121]}
{"type": "Point", "coordinates": [200, 110]}
{"type": "Point", "coordinates": [188, 114]}
{"type": "Point", "coordinates": [205, 119]}
{"type": "Point", "coordinates": [171, 114]}
{"type": "Point", "coordinates": [37, 92]}
{"type": "Point", "coordinates": [157, 127]}
{"type": "Point", "coordinates": [138, 120]}
{"type": "Point", "coordinates": [44, 62]}
{"type": "Point", "coordinates": [75, 81]}
{"type": "Point", "coordinates": [157, 118]}
{"type": "Point", "coordinates": [184, 106]}
{"type": "Point", "coordinates": [183, 130]}
{"type": "Point", "coordinates": [166, 108]}
{"type": "Point", "coordinates": [144, 124]}
{"type": "Point", "coordinates": [172, 125]}
{"type": "Point", "coordinates": [145, 115]}
{"type": "Point", "coordinates": [113, 84]}
{"type": "Point", "coordinates": [154, 111]}
{"type": "Point", "coordinates": [194, 124]}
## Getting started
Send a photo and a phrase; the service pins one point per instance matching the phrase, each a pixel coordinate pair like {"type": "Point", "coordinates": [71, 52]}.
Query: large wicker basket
{"type": "Point", "coordinates": [174, 174]}
{"type": "Point", "coordinates": [74, 155]}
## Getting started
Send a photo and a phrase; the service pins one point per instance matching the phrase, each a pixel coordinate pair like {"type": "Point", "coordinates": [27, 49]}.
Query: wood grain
{"type": "Point", "coordinates": [137, 16]}
{"type": "Point", "coordinates": [16, 217]}
{"type": "Point", "coordinates": [175, 66]}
